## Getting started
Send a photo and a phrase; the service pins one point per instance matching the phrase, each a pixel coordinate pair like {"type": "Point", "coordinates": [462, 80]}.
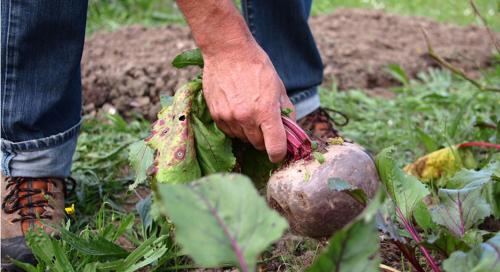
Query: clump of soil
{"type": "Point", "coordinates": [129, 68]}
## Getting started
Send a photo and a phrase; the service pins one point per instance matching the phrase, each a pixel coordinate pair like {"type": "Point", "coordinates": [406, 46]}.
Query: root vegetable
{"type": "Point", "coordinates": [301, 190]}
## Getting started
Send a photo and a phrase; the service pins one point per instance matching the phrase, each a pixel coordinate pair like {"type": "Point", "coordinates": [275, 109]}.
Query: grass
{"type": "Point", "coordinates": [432, 111]}
{"type": "Point", "coordinates": [111, 14]}
{"type": "Point", "coordinates": [454, 11]}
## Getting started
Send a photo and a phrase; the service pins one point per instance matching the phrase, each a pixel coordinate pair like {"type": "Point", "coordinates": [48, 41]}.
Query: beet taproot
{"type": "Point", "coordinates": [301, 192]}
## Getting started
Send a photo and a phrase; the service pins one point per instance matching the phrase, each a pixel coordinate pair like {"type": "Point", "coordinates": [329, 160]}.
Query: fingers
{"type": "Point", "coordinates": [225, 128]}
{"type": "Point", "coordinates": [224, 119]}
{"type": "Point", "coordinates": [274, 137]}
{"type": "Point", "coordinates": [255, 137]}
{"type": "Point", "coordinates": [232, 130]}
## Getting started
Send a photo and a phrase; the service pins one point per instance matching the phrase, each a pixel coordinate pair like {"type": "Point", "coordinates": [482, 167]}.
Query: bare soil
{"type": "Point", "coordinates": [129, 68]}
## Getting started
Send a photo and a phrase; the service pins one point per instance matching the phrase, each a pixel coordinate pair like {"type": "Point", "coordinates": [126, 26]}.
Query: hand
{"type": "Point", "coordinates": [245, 96]}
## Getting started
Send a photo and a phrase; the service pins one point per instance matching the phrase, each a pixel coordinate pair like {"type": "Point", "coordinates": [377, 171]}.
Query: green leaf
{"type": "Point", "coordinates": [423, 217]}
{"type": "Point", "coordinates": [472, 178]}
{"type": "Point", "coordinates": [172, 139]}
{"type": "Point", "coordinates": [355, 247]}
{"type": "Point", "coordinates": [474, 237]}
{"type": "Point", "coordinates": [406, 191]}
{"type": "Point", "coordinates": [187, 141]}
{"type": "Point", "coordinates": [341, 185]}
{"type": "Point", "coordinates": [351, 249]}
{"type": "Point", "coordinates": [398, 73]}
{"type": "Point", "coordinates": [141, 157]}
{"type": "Point", "coordinates": [429, 143]}
{"type": "Point", "coordinates": [48, 251]}
{"type": "Point", "coordinates": [492, 194]}
{"type": "Point", "coordinates": [90, 267]}
{"type": "Point", "coordinates": [213, 148]}
{"type": "Point", "coordinates": [460, 209]}
{"type": "Point", "coordinates": [484, 178]}
{"type": "Point", "coordinates": [166, 100]}
{"type": "Point", "coordinates": [143, 207]}
{"type": "Point", "coordinates": [148, 252]}
{"type": "Point", "coordinates": [319, 157]}
{"type": "Point", "coordinates": [286, 112]}
{"type": "Point", "coordinates": [125, 224]}
{"type": "Point", "coordinates": [225, 214]}
{"type": "Point", "coordinates": [482, 258]}
{"type": "Point", "coordinates": [254, 163]}
{"type": "Point", "coordinates": [24, 266]}
{"type": "Point", "coordinates": [445, 242]}
{"type": "Point", "coordinates": [386, 224]}
{"type": "Point", "coordinates": [94, 247]}
{"type": "Point", "coordinates": [118, 122]}
{"type": "Point", "coordinates": [187, 58]}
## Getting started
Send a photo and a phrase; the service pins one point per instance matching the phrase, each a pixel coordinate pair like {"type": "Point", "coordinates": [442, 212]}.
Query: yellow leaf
{"type": "Point", "coordinates": [435, 165]}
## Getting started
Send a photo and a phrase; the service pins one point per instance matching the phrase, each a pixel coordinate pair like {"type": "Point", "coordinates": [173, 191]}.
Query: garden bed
{"type": "Point", "coordinates": [127, 69]}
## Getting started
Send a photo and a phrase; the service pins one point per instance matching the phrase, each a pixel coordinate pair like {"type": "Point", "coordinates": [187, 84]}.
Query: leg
{"type": "Point", "coordinates": [42, 43]}
{"type": "Point", "coordinates": [281, 29]}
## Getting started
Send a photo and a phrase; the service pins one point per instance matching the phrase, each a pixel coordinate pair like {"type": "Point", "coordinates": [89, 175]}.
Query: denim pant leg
{"type": "Point", "coordinates": [281, 29]}
{"type": "Point", "coordinates": [42, 44]}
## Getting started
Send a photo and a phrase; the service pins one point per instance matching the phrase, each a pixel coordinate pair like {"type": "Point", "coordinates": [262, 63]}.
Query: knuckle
{"type": "Point", "coordinates": [225, 116]}
{"type": "Point", "coordinates": [243, 115]}
{"type": "Point", "coordinates": [269, 105]}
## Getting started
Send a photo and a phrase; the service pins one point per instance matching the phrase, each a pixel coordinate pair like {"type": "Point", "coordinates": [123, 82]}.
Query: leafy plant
{"type": "Point", "coordinates": [460, 209]}
{"type": "Point", "coordinates": [141, 158]}
{"type": "Point", "coordinates": [406, 192]}
{"type": "Point", "coordinates": [221, 220]}
{"type": "Point", "coordinates": [94, 250]}
{"type": "Point", "coordinates": [482, 258]}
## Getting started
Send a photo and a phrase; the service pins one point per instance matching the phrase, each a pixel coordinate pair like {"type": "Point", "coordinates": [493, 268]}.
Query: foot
{"type": "Point", "coordinates": [26, 203]}
{"type": "Point", "coordinates": [321, 124]}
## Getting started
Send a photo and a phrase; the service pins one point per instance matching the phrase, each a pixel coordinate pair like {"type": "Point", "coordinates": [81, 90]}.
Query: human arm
{"type": "Point", "coordinates": [241, 87]}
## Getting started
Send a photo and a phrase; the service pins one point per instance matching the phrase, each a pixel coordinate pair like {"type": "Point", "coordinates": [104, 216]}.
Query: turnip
{"type": "Point", "coordinates": [301, 192]}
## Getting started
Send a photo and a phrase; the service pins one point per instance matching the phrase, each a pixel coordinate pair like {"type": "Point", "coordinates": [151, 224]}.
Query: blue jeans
{"type": "Point", "coordinates": [42, 43]}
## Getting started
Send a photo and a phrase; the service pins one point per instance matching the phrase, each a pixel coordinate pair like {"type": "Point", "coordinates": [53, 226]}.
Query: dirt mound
{"type": "Point", "coordinates": [130, 67]}
{"type": "Point", "coordinates": [357, 45]}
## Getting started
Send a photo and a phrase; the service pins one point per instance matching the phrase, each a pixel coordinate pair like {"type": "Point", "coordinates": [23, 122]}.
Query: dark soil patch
{"type": "Point", "coordinates": [129, 68]}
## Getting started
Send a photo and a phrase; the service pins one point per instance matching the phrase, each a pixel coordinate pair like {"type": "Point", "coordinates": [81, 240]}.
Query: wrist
{"type": "Point", "coordinates": [232, 35]}
{"type": "Point", "coordinates": [217, 26]}
{"type": "Point", "coordinates": [229, 49]}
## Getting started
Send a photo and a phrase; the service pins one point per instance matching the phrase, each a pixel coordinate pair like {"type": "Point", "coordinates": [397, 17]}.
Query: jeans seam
{"type": "Point", "coordinates": [302, 95]}
{"type": "Point", "coordinates": [42, 143]}
{"type": "Point", "coordinates": [5, 74]}
{"type": "Point", "coordinates": [6, 158]}
{"type": "Point", "coordinates": [10, 63]}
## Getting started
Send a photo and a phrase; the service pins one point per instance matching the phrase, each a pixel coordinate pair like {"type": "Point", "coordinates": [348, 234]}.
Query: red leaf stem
{"type": "Point", "coordinates": [480, 144]}
{"type": "Point", "coordinates": [414, 234]}
{"type": "Point", "coordinates": [298, 143]}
